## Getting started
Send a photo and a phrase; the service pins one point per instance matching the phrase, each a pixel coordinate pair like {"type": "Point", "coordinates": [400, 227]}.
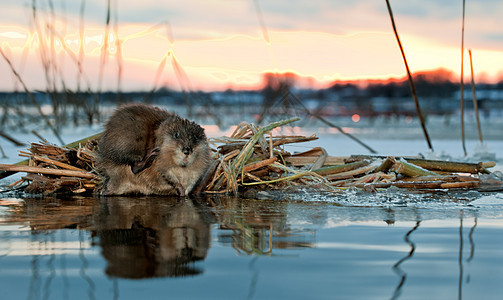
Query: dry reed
{"type": "Point", "coordinates": [411, 81]}
{"type": "Point", "coordinates": [253, 157]}
{"type": "Point", "coordinates": [462, 93]}
{"type": "Point", "coordinates": [474, 96]}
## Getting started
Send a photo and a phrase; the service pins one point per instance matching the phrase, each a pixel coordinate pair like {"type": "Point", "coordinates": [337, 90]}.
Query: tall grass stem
{"type": "Point", "coordinates": [32, 98]}
{"type": "Point", "coordinates": [411, 81]}
{"type": "Point", "coordinates": [474, 96]}
{"type": "Point", "coordinates": [462, 93]}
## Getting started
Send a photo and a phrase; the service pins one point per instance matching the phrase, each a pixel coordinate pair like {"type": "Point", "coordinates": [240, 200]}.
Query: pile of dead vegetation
{"type": "Point", "coordinates": [253, 156]}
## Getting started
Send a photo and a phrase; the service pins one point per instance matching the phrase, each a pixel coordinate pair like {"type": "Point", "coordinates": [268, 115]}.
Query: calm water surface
{"type": "Point", "coordinates": [388, 245]}
{"type": "Point", "coordinates": [356, 245]}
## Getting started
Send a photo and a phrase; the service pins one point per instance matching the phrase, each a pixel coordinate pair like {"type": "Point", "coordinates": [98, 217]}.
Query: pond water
{"type": "Point", "coordinates": [231, 248]}
{"type": "Point", "coordinates": [391, 244]}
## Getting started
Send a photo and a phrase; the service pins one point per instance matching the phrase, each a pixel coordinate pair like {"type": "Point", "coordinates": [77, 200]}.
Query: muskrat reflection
{"type": "Point", "coordinates": [152, 237]}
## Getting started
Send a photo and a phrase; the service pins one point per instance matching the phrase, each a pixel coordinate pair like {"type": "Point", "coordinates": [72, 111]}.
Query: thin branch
{"type": "Point", "coordinates": [317, 116]}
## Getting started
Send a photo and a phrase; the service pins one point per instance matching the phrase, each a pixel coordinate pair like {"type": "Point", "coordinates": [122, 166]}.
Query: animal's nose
{"type": "Point", "coordinates": [187, 150]}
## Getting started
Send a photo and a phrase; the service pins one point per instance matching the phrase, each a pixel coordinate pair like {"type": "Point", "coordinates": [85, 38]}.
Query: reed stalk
{"type": "Point", "coordinates": [352, 173]}
{"type": "Point", "coordinates": [306, 160]}
{"type": "Point", "coordinates": [183, 81]}
{"type": "Point", "coordinates": [157, 77]}
{"type": "Point", "coordinates": [261, 21]}
{"type": "Point", "coordinates": [31, 97]}
{"type": "Point", "coordinates": [323, 120]}
{"type": "Point", "coordinates": [11, 139]}
{"type": "Point", "coordinates": [60, 169]}
{"type": "Point", "coordinates": [474, 98]}
{"type": "Point", "coordinates": [386, 164]}
{"type": "Point", "coordinates": [119, 58]}
{"type": "Point", "coordinates": [260, 164]}
{"type": "Point", "coordinates": [286, 178]}
{"type": "Point", "coordinates": [448, 166]}
{"type": "Point", "coordinates": [462, 94]}
{"type": "Point", "coordinates": [80, 59]}
{"type": "Point", "coordinates": [3, 152]}
{"type": "Point", "coordinates": [94, 110]}
{"type": "Point", "coordinates": [76, 59]}
{"type": "Point", "coordinates": [83, 140]}
{"type": "Point", "coordinates": [52, 162]}
{"type": "Point", "coordinates": [237, 165]}
{"type": "Point", "coordinates": [409, 76]}
{"type": "Point", "coordinates": [104, 48]}
{"type": "Point", "coordinates": [341, 168]}
{"type": "Point", "coordinates": [47, 171]}
{"type": "Point", "coordinates": [408, 169]}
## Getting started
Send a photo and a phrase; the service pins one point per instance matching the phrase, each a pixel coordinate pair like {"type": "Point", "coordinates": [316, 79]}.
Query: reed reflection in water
{"type": "Point", "coordinates": [258, 227]}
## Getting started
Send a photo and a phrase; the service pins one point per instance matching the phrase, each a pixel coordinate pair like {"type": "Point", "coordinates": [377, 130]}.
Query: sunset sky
{"type": "Point", "coordinates": [220, 44]}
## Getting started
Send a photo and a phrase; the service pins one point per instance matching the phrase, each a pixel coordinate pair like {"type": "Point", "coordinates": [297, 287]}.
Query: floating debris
{"type": "Point", "coordinates": [253, 158]}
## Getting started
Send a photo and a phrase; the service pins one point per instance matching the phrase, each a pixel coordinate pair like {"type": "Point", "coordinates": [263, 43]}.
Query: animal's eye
{"type": "Point", "coordinates": [176, 135]}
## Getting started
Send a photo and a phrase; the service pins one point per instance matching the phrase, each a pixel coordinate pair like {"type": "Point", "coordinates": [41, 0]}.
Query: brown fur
{"type": "Point", "coordinates": [147, 151]}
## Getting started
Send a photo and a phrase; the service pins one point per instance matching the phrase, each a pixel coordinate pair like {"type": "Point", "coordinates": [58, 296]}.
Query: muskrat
{"type": "Point", "coordinates": [146, 150]}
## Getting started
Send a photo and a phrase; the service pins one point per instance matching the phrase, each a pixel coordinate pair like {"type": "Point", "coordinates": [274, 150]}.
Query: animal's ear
{"type": "Point", "coordinates": [146, 162]}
